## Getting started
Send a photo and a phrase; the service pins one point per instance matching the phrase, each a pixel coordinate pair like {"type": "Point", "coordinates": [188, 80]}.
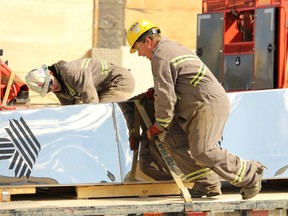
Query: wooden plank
{"type": "Point", "coordinates": [5, 193]}
{"type": "Point", "coordinates": [129, 190]}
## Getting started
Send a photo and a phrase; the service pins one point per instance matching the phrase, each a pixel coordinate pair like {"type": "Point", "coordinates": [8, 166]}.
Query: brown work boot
{"type": "Point", "coordinates": [195, 193]}
{"type": "Point", "coordinates": [249, 192]}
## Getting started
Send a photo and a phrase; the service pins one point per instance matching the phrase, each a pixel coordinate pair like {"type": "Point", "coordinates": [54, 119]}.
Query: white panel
{"type": "Point", "coordinates": [258, 128]}
{"type": "Point", "coordinates": [75, 144]}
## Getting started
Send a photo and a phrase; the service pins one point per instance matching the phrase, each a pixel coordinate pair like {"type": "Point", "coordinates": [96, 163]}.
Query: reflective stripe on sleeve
{"type": "Point", "coordinates": [104, 67]}
{"type": "Point", "coordinates": [164, 122]}
{"type": "Point", "coordinates": [85, 63]}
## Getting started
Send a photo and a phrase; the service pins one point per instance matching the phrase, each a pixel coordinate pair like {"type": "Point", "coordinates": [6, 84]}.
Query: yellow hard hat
{"type": "Point", "coordinates": [136, 30]}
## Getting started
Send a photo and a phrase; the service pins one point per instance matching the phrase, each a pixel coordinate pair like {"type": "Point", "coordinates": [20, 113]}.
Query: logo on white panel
{"type": "Point", "coordinates": [22, 147]}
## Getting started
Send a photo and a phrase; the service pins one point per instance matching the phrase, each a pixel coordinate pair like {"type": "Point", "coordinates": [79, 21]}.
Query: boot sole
{"type": "Point", "coordinates": [211, 194]}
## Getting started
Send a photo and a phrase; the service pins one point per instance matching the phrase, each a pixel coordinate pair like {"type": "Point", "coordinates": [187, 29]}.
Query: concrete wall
{"type": "Point", "coordinates": [34, 32]}
{"type": "Point", "coordinates": [177, 19]}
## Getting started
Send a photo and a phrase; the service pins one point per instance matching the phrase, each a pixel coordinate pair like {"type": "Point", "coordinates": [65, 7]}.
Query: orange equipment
{"type": "Point", "coordinates": [12, 89]}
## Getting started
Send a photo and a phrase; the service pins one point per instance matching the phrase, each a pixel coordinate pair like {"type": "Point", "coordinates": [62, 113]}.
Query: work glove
{"type": "Point", "coordinates": [154, 131]}
{"type": "Point", "coordinates": [148, 95]}
{"type": "Point", "coordinates": [133, 140]}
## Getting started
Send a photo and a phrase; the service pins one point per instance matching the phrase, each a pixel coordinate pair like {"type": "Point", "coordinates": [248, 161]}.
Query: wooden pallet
{"type": "Point", "coordinates": [5, 193]}
{"type": "Point", "coordinates": [129, 189]}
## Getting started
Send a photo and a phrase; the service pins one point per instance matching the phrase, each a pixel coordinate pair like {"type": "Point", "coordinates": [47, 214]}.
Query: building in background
{"type": "Point", "coordinates": [47, 31]}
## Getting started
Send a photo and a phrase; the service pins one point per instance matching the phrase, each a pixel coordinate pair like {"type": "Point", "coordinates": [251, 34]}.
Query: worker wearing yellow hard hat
{"type": "Point", "coordinates": [191, 111]}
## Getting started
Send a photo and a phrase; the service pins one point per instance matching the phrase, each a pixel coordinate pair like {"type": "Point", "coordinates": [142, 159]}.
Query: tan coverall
{"type": "Point", "coordinates": [150, 160]}
{"type": "Point", "coordinates": [92, 80]}
{"type": "Point", "coordinates": [192, 106]}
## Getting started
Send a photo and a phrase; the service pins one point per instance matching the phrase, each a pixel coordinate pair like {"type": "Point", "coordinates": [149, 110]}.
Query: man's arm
{"type": "Point", "coordinates": [84, 85]}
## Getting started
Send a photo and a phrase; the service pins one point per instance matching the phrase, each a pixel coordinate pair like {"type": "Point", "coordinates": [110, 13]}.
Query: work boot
{"type": "Point", "coordinates": [195, 193]}
{"type": "Point", "coordinates": [249, 192]}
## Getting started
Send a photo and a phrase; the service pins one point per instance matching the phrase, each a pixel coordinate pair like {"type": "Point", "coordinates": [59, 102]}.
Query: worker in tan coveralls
{"type": "Point", "coordinates": [191, 109]}
{"type": "Point", "coordinates": [150, 160]}
{"type": "Point", "coordinates": [86, 80]}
